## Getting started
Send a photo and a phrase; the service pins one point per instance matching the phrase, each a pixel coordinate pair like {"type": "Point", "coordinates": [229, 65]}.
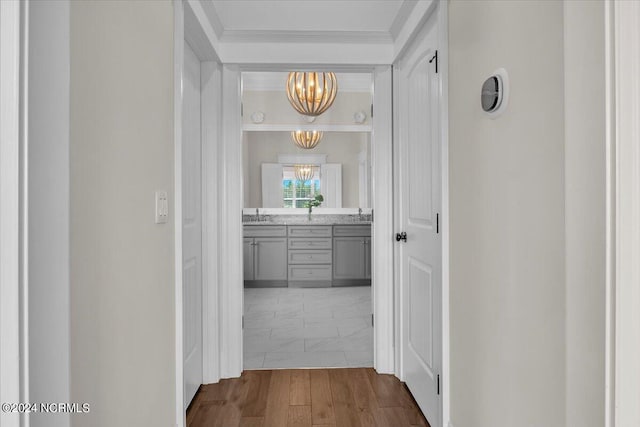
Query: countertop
{"type": "Point", "coordinates": [304, 220]}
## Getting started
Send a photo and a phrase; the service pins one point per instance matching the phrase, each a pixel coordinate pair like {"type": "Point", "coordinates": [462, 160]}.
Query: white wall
{"type": "Point", "coordinates": [507, 217]}
{"type": "Point", "coordinates": [340, 147]}
{"type": "Point", "coordinates": [122, 263]}
{"type": "Point", "coordinates": [277, 110]}
{"type": "Point", "coordinates": [48, 192]}
{"type": "Point", "coordinates": [585, 210]}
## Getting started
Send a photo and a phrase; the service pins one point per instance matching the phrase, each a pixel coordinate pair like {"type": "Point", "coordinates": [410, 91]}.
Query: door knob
{"type": "Point", "coordinates": [401, 236]}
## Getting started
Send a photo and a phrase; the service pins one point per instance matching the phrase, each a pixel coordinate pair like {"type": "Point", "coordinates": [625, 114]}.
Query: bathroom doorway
{"type": "Point", "coordinates": [307, 295]}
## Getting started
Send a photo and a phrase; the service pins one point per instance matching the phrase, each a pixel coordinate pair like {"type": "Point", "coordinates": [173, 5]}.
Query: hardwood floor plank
{"type": "Point", "coordinates": [344, 405]}
{"type": "Point", "coordinates": [357, 397]}
{"type": "Point", "coordinates": [207, 411]}
{"type": "Point", "coordinates": [277, 411]}
{"type": "Point", "coordinates": [395, 417]}
{"type": "Point", "coordinates": [218, 391]}
{"type": "Point", "coordinates": [300, 392]}
{"type": "Point", "coordinates": [299, 416]}
{"type": "Point", "coordinates": [385, 389]}
{"type": "Point", "coordinates": [364, 397]}
{"type": "Point", "coordinates": [251, 422]}
{"type": "Point", "coordinates": [192, 410]}
{"type": "Point", "coordinates": [231, 411]}
{"type": "Point", "coordinates": [321, 401]}
{"type": "Point", "coordinates": [258, 391]}
{"type": "Point", "coordinates": [363, 393]}
{"type": "Point", "coordinates": [411, 410]}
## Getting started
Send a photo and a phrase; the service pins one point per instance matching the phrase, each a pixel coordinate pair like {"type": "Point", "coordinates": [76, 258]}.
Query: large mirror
{"type": "Point", "coordinates": [340, 171]}
{"type": "Point", "coordinates": [339, 167]}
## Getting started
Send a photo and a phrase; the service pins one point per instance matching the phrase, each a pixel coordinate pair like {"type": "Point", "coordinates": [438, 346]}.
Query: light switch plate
{"type": "Point", "coordinates": [162, 207]}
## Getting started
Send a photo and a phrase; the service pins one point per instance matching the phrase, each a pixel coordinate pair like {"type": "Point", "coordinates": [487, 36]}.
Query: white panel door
{"type": "Point", "coordinates": [419, 200]}
{"type": "Point", "coordinates": [191, 226]}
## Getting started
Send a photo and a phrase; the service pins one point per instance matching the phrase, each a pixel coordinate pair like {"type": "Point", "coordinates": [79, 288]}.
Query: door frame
{"type": "Point", "coordinates": [223, 203]}
{"type": "Point", "coordinates": [441, 11]}
{"type": "Point", "coordinates": [191, 25]}
{"type": "Point", "coordinates": [13, 210]}
{"type": "Point", "coordinates": [230, 220]}
{"type": "Point", "coordinates": [622, 347]}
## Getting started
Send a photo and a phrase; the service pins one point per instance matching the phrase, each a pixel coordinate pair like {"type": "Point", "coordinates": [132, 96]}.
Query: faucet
{"type": "Point", "coordinates": [359, 214]}
{"type": "Point", "coordinates": [257, 215]}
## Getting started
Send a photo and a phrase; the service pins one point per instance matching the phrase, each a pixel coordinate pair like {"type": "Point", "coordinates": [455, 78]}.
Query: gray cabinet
{"type": "Point", "coordinates": [307, 255]}
{"type": "Point", "coordinates": [270, 259]}
{"type": "Point", "coordinates": [310, 255]}
{"type": "Point", "coordinates": [265, 258]}
{"type": "Point", "coordinates": [351, 255]}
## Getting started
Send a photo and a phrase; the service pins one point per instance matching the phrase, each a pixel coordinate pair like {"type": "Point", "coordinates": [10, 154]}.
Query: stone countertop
{"type": "Point", "coordinates": [304, 220]}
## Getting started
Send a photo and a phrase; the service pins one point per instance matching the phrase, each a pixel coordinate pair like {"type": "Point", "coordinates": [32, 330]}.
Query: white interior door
{"type": "Point", "coordinates": [418, 175]}
{"type": "Point", "coordinates": [191, 226]}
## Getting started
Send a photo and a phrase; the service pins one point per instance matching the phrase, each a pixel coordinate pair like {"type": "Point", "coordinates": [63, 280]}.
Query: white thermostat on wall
{"type": "Point", "coordinates": [495, 93]}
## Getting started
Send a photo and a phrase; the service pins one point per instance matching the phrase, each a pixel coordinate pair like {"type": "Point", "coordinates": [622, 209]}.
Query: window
{"type": "Point", "coordinates": [297, 193]}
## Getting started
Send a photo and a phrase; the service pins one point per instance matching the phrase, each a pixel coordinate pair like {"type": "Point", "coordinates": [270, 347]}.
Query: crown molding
{"type": "Point", "coordinates": [273, 36]}
{"type": "Point", "coordinates": [401, 18]}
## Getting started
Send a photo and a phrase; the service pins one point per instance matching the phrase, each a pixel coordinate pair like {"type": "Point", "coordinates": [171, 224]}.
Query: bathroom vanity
{"type": "Point", "coordinates": [307, 255]}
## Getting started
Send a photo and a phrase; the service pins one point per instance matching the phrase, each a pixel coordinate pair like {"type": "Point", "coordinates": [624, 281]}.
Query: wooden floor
{"type": "Point", "coordinates": [305, 398]}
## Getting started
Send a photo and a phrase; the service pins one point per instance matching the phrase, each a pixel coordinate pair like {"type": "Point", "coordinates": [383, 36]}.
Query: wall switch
{"type": "Point", "coordinates": [162, 207]}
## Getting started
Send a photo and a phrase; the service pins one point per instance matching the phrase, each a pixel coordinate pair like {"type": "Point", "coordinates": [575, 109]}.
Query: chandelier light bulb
{"type": "Point", "coordinates": [311, 93]}
{"type": "Point", "coordinates": [303, 172]}
{"type": "Point", "coordinates": [306, 139]}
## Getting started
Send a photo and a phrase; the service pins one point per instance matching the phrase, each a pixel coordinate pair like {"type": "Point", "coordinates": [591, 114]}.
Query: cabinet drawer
{"type": "Point", "coordinates": [309, 231]}
{"type": "Point", "coordinates": [265, 230]}
{"type": "Point", "coordinates": [309, 257]}
{"type": "Point", "coordinates": [352, 230]}
{"type": "Point", "coordinates": [302, 243]}
{"type": "Point", "coordinates": [309, 272]}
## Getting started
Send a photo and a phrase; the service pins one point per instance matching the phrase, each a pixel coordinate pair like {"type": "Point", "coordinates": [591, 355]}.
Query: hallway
{"type": "Point", "coordinates": [305, 398]}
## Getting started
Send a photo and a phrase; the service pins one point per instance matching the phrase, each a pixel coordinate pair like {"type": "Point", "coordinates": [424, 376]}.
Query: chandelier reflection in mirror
{"type": "Point", "coordinates": [306, 139]}
{"type": "Point", "coordinates": [303, 172]}
{"type": "Point", "coordinates": [311, 93]}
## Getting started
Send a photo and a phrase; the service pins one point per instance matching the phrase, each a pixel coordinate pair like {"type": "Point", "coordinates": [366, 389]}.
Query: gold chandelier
{"type": "Point", "coordinates": [311, 93]}
{"type": "Point", "coordinates": [306, 139]}
{"type": "Point", "coordinates": [303, 172]}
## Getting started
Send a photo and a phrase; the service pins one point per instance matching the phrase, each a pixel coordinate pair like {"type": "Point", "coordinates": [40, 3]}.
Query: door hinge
{"type": "Point", "coordinates": [371, 110]}
{"type": "Point", "coordinates": [437, 223]}
{"type": "Point", "coordinates": [241, 109]}
{"type": "Point", "coordinates": [372, 320]}
{"type": "Point", "coordinates": [438, 384]}
{"type": "Point", "coordinates": [371, 215]}
{"type": "Point", "coordinates": [242, 322]}
{"type": "Point", "coordinates": [434, 57]}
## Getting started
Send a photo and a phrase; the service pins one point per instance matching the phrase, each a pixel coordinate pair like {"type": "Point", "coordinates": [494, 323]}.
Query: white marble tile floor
{"type": "Point", "coordinates": [307, 328]}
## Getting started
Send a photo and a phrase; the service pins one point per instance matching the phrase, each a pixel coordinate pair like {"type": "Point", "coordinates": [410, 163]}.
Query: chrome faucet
{"type": "Point", "coordinates": [359, 214]}
{"type": "Point", "coordinates": [257, 215]}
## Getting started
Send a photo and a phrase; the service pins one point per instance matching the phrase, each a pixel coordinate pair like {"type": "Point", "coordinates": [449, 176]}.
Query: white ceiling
{"type": "Point", "coordinates": [319, 20]}
{"type": "Point", "coordinates": [311, 32]}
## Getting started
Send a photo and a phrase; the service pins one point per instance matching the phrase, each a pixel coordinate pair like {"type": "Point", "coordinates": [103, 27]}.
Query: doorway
{"type": "Point", "coordinates": [307, 277]}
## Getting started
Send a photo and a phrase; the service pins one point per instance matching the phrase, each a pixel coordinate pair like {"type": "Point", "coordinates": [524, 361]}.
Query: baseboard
{"type": "Point", "coordinates": [265, 283]}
